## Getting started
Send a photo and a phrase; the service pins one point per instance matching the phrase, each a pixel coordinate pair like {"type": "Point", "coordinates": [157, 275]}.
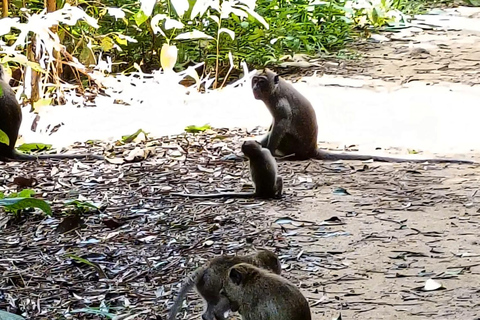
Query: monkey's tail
{"type": "Point", "coordinates": [26, 157]}
{"type": "Point", "coordinates": [186, 287]}
{"type": "Point", "coordinates": [332, 156]}
{"type": "Point", "coordinates": [216, 195]}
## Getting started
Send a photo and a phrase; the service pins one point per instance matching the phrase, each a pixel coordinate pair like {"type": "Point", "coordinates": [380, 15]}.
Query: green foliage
{"type": "Point", "coordinates": [3, 136]}
{"type": "Point", "coordinates": [296, 26]}
{"type": "Point", "coordinates": [81, 206]}
{"type": "Point", "coordinates": [31, 147]}
{"type": "Point", "coordinates": [17, 202]}
{"type": "Point", "coordinates": [197, 129]}
{"type": "Point", "coordinates": [131, 137]}
{"type": "Point", "coordinates": [133, 32]}
{"type": "Point", "coordinates": [413, 7]}
{"type": "Point", "coordinates": [475, 3]}
{"type": "Point", "coordinates": [128, 34]}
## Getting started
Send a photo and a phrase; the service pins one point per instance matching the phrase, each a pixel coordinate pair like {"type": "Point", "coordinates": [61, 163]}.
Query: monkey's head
{"type": "Point", "coordinates": [251, 148]}
{"type": "Point", "coordinates": [264, 84]}
{"type": "Point", "coordinates": [237, 284]}
{"type": "Point", "coordinates": [269, 260]}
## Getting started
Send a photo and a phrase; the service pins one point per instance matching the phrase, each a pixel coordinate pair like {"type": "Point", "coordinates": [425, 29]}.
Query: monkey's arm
{"type": "Point", "coordinates": [282, 121]}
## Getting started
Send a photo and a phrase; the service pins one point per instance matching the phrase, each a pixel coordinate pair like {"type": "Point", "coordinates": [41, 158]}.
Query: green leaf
{"type": "Point", "coordinates": [107, 44]}
{"type": "Point", "coordinates": [140, 17]}
{"type": "Point", "coordinates": [130, 138]}
{"type": "Point", "coordinates": [81, 204]}
{"type": "Point", "coordinates": [4, 315]}
{"type": "Point", "coordinates": [21, 203]}
{"type": "Point", "coordinates": [195, 129]}
{"type": "Point", "coordinates": [26, 193]}
{"type": "Point", "coordinates": [29, 147]}
{"type": "Point", "coordinates": [3, 136]}
{"type": "Point", "coordinates": [475, 3]}
{"type": "Point", "coordinates": [121, 41]}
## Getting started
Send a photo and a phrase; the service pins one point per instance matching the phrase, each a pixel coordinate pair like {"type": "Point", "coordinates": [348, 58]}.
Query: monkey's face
{"type": "Point", "coordinates": [260, 87]}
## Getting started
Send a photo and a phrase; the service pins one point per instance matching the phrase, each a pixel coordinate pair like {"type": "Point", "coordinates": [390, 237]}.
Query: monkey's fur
{"type": "Point", "coordinates": [10, 121]}
{"type": "Point", "coordinates": [294, 128]}
{"type": "Point", "coordinates": [209, 279]}
{"type": "Point", "coordinates": [264, 173]}
{"type": "Point", "coordinates": [260, 295]}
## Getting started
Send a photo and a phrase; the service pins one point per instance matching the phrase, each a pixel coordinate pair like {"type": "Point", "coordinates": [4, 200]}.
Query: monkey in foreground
{"type": "Point", "coordinates": [264, 173]}
{"type": "Point", "coordinates": [209, 280]}
{"type": "Point", "coordinates": [260, 295]}
{"type": "Point", "coordinates": [294, 129]}
{"type": "Point", "coordinates": [10, 121]}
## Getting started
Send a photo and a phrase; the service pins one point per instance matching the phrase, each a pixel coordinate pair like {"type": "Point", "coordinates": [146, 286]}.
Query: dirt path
{"type": "Point", "coordinates": [401, 226]}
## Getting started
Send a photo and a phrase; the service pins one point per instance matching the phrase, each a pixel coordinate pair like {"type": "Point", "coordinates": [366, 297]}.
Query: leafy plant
{"type": "Point", "coordinates": [81, 206]}
{"type": "Point", "coordinates": [296, 26]}
{"type": "Point", "coordinates": [375, 13]}
{"type": "Point", "coordinates": [17, 202]}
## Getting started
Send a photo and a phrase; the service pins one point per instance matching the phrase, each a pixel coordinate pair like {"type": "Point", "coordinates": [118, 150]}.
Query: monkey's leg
{"type": "Point", "coordinates": [279, 187]}
{"type": "Point", "coordinates": [209, 314]}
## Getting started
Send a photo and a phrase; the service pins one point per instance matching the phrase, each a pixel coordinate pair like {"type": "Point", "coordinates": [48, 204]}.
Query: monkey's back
{"type": "Point", "coordinates": [263, 169]}
{"type": "Point", "coordinates": [210, 281]}
{"type": "Point", "coordinates": [272, 297]}
{"type": "Point", "coordinates": [304, 129]}
{"type": "Point", "coordinates": [10, 116]}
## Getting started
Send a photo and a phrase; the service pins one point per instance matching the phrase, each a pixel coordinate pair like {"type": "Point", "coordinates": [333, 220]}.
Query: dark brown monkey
{"type": "Point", "coordinates": [260, 295]}
{"type": "Point", "coordinates": [10, 120]}
{"type": "Point", "coordinates": [294, 129]}
{"type": "Point", "coordinates": [209, 279]}
{"type": "Point", "coordinates": [264, 173]}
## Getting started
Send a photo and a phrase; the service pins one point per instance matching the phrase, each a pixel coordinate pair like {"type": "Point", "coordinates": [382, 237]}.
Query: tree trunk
{"type": "Point", "coordinates": [4, 8]}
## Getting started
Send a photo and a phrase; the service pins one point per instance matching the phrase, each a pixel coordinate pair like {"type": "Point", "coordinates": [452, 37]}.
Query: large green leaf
{"type": "Point", "coordinates": [24, 203]}
{"type": "Point", "coordinates": [197, 129]}
{"type": "Point", "coordinates": [3, 136]}
{"type": "Point", "coordinates": [29, 147]}
{"type": "Point", "coordinates": [4, 315]}
{"type": "Point", "coordinates": [475, 3]}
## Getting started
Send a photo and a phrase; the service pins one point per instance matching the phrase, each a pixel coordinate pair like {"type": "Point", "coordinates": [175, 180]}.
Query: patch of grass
{"type": "Point", "coordinates": [414, 7]}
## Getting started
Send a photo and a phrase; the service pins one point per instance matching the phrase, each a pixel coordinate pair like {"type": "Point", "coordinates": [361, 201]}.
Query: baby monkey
{"type": "Point", "coordinates": [260, 295]}
{"type": "Point", "coordinates": [209, 280]}
{"type": "Point", "coordinates": [263, 170]}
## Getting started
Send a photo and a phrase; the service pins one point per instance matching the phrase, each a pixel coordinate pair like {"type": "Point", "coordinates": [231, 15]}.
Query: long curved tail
{"type": "Point", "coordinates": [25, 157]}
{"type": "Point", "coordinates": [216, 195]}
{"type": "Point", "coordinates": [186, 287]}
{"type": "Point", "coordinates": [333, 156]}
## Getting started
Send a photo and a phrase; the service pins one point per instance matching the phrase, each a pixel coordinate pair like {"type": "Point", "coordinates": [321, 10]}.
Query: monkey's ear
{"type": "Point", "coordinates": [276, 79]}
{"type": "Point", "coordinates": [236, 276]}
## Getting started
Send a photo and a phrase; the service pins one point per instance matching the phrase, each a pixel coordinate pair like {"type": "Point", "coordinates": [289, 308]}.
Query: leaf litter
{"type": "Point", "coordinates": [118, 245]}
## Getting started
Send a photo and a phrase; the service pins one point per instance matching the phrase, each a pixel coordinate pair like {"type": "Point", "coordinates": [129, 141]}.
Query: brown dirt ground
{"type": "Point", "coordinates": [401, 224]}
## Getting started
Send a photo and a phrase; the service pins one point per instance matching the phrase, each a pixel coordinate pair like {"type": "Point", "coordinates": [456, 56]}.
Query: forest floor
{"type": "Point", "coordinates": [359, 238]}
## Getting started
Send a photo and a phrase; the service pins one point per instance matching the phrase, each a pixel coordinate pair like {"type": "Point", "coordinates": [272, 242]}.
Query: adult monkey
{"type": "Point", "coordinates": [294, 129]}
{"type": "Point", "coordinates": [10, 121]}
